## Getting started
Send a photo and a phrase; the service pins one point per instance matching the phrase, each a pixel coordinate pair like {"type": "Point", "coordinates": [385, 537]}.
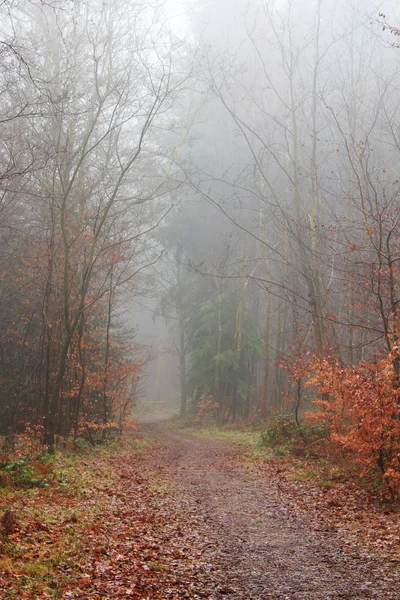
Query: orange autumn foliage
{"type": "Point", "coordinates": [359, 406]}
{"type": "Point", "coordinates": [208, 408]}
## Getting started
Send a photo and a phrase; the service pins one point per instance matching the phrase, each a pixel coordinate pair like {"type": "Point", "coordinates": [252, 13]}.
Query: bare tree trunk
{"type": "Point", "coordinates": [264, 398]}
{"type": "Point", "coordinates": [219, 341]}
{"type": "Point", "coordinates": [239, 340]}
{"type": "Point", "coordinates": [47, 331]}
{"type": "Point", "coordinates": [106, 408]}
{"type": "Point", "coordinates": [182, 340]}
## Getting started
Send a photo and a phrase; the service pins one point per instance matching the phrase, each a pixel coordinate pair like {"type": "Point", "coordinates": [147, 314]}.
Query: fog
{"type": "Point", "coordinates": [195, 196]}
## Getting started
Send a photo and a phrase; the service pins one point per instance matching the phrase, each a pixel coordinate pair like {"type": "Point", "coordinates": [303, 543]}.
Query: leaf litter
{"type": "Point", "coordinates": [193, 519]}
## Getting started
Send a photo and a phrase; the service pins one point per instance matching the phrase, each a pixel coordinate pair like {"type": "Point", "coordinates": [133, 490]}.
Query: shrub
{"type": "Point", "coordinates": [23, 473]}
{"type": "Point", "coordinates": [280, 430]}
{"type": "Point", "coordinates": [25, 463]}
{"type": "Point", "coordinates": [208, 408]}
{"type": "Point", "coordinates": [359, 406]}
{"type": "Point", "coordinates": [283, 431]}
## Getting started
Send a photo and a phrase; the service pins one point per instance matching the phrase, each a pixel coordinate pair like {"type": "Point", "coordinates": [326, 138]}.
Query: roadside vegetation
{"type": "Point", "coordinates": [50, 507]}
{"type": "Point", "coordinates": [95, 522]}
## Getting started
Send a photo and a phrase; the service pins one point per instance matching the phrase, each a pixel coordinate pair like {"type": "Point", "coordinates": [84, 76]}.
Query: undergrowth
{"type": "Point", "coordinates": [47, 506]}
{"type": "Point", "coordinates": [321, 461]}
{"type": "Point", "coordinates": [284, 435]}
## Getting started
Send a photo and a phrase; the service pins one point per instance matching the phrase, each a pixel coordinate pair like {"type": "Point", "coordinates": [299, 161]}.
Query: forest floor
{"type": "Point", "coordinates": [192, 517]}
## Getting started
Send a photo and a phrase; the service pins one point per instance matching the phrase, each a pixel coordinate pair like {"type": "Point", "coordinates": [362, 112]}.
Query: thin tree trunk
{"type": "Point", "coordinates": [182, 340]}
{"type": "Point", "coordinates": [219, 341]}
{"type": "Point", "coordinates": [106, 411]}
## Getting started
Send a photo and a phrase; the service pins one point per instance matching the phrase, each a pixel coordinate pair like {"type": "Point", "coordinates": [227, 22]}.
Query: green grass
{"type": "Point", "coordinates": [52, 523]}
{"type": "Point", "coordinates": [233, 436]}
{"type": "Point", "coordinates": [154, 409]}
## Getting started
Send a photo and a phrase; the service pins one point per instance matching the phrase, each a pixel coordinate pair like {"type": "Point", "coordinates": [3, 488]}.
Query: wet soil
{"type": "Point", "coordinates": [266, 548]}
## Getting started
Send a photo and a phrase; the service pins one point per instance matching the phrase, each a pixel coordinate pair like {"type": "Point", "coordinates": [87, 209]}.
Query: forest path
{"type": "Point", "coordinates": [267, 549]}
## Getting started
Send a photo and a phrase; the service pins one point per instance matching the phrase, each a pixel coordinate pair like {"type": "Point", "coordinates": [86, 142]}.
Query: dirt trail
{"type": "Point", "coordinates": [266, 549]}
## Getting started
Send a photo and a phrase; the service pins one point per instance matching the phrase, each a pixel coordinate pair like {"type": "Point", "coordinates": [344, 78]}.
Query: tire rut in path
{"type": "Point", "coordinates": [267, 549]}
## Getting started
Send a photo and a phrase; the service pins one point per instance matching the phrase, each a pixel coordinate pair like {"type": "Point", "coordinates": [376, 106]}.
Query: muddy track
{"type": "Point", "coordinates": [266, 549]}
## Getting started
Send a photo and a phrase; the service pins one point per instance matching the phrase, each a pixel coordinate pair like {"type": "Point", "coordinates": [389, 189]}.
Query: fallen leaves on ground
{"type": "Point", "coordinates": [112, 525]}
{"type": "Point", "coordinates": [112, 532]}
{"type": "Point", "coordinates": [343, 506]}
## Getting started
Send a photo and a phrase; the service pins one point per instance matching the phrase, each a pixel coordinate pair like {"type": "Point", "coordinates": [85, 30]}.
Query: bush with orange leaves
{"type": "Point", "coordinates": [208, 408]}
{"type": "Point", "coordinates": [360, 407]}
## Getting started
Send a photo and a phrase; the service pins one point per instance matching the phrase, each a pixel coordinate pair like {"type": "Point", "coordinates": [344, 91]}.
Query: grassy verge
{"type": "Point", "coordinates": [247, 438]}
{"type": "Point", "coordinates": [52, 507]}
